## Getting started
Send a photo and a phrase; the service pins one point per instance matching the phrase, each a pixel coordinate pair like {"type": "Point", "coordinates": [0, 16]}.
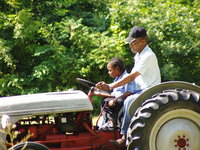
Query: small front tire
{"type": "Point", "coordinates": [28, 146]}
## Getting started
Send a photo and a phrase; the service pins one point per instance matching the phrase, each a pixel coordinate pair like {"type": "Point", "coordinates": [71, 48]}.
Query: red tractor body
{"type": "Point", "coordinates": [57, 120]}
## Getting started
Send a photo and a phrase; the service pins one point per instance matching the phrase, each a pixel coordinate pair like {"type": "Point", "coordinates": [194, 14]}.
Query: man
{"type": "Point", "coordinates": [145, 72]}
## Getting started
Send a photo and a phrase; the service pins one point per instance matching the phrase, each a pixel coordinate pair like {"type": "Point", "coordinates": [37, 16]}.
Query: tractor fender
{"type": "Point", "coordinates": [158, 89]}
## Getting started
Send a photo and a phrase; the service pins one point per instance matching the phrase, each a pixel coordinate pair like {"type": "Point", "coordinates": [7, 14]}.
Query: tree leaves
{"type": "Point", "coordinates": [46, 44]}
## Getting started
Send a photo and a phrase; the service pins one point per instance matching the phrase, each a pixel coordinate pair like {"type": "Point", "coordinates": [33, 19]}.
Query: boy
{"type": "Point", "coordinates": [114, 101]}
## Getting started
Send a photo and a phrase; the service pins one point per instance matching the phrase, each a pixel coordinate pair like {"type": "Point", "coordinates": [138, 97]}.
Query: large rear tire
{"type": "Point", "coordinates": [168, 121]}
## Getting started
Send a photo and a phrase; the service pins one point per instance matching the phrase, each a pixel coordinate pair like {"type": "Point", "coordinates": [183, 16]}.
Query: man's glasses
{"type": "Point", "coordinates": [135, 41]}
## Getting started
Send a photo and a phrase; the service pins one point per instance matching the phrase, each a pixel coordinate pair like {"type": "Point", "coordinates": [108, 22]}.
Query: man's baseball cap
{"type": "Point", "coordinates": [136, 32]}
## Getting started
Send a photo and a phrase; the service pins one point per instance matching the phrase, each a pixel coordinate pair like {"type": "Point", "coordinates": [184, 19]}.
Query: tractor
{"type": "Point", "coordinates": [164, 117]}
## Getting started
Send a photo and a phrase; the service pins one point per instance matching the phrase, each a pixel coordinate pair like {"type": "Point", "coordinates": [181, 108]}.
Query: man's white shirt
{"type": "Point", "coordinates": [146, 64]}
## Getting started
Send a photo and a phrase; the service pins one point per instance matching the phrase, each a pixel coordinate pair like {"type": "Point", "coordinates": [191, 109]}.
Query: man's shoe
{"type": "Point", "coordinates": [118, 142]}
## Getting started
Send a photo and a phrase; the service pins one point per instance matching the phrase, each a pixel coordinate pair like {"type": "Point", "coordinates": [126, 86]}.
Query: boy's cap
{"type": "Point", "coordinates": [136, 32]}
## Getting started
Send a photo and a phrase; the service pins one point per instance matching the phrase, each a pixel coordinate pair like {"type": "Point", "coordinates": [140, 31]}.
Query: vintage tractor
{"type": "Point", "coordinates": [54, 121]}
{"type": "Point", "coordinates": [164, 117]}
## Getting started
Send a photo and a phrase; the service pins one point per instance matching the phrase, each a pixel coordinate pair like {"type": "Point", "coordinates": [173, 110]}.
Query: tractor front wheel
{"type": "Point", "coordinates": [168, 121]}
{"type": "Point", "coordinates": [29, 146]}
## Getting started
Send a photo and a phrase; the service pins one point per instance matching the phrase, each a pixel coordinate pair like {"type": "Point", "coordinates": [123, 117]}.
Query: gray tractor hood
{"type": "Point", "coordinates": [45, 103]}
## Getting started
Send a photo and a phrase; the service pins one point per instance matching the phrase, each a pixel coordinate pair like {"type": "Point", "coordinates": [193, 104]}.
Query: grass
{"type": "Point", "coordinates": [94, 120]}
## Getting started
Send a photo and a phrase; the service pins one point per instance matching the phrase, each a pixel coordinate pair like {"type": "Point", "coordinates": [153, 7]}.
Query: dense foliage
{"type": "Point", "coordinates": [46, 44]}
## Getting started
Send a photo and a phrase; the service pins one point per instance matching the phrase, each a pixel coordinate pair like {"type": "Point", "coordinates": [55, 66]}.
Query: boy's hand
{"type": "Point", "coordinates": [112, 103]}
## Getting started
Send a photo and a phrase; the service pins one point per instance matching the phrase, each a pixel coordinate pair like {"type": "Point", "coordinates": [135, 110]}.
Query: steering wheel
{"type": "Point", "coordinates": [89, 84]}
{"type": "Point", "coordinates": [85, 82]}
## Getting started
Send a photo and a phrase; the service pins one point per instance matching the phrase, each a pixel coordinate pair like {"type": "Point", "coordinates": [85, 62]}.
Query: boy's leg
{"type": "Point", "coordinates": [117, 111]}
{"type": "Point", "coordinates": [107, 111]}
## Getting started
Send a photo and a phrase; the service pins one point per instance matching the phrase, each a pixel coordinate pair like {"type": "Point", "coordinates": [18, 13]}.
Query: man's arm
{"type": "Point", "coordinates": [123, 81]}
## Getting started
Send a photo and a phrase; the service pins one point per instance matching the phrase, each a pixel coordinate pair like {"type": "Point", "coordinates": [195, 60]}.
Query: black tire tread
{"type": "Point", "coordinates": [35, 146]}
{"type": "Point", "coordinates": [151, 106]}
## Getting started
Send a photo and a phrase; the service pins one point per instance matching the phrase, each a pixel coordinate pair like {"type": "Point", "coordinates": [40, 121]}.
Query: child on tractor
{"type": "Point", "coordinates": [113, 102]}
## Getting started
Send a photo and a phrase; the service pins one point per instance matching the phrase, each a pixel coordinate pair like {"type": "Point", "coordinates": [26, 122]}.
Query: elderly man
{"type": "Point", "coordinates": [145, 72]}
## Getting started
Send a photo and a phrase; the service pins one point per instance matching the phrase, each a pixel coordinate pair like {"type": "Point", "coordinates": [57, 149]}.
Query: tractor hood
{"type": "Point", "coordinates": [45, 103]}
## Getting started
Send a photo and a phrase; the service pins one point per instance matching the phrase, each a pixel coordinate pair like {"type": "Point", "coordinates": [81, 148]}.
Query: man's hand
{"type": "Point", "coordinates": [102, 86]}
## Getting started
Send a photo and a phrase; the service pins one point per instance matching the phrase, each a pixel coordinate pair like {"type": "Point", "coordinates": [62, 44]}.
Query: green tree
{"type": "Point", "coordinates": [46, 44]}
